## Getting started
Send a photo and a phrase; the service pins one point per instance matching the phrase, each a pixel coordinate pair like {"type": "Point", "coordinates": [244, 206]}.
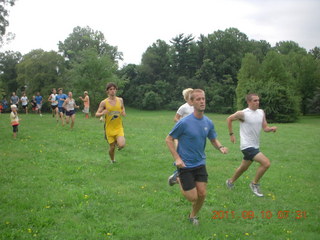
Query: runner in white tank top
{"type": "Point", "coordinates": [252, 120]}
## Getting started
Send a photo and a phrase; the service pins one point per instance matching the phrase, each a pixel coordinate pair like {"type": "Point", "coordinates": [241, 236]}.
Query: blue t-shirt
{"type": "Point", "coordinates": [59, 97]}
{"type": "Point", "coordinates": [192, 134]}
{"type": "Point", "coordinates": [38, 99]}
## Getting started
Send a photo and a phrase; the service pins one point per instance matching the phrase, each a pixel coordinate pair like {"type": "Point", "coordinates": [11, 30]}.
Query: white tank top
{"type": "Point", "coordinates": [250, 128]}
{"type": "Point", "coordinates": [70, 104]}
{"type": "Point", "coordinates": [185, 110]}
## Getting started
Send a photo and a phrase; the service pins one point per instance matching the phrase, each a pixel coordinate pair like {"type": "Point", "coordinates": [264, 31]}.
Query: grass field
{"type": "Point", "coordinates": [58, 184]}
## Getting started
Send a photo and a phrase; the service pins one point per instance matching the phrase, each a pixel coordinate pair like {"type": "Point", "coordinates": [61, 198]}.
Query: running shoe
{"type": "Point", "coordinates": [172, 180]}
{"type": "Point", "coordinates": [256, 189]}
{"type": "Point", "coordinates": [194, 221]}
{"type": "Point", "coordinates": [229, 184]}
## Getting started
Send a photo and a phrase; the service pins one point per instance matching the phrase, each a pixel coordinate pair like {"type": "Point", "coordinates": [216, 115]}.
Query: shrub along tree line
{"type": "Point", "coordinates": [226, 64]}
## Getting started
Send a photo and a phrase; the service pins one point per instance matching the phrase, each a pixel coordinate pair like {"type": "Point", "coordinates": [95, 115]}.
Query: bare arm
{"type": "Point", "coordinates": [173, 151]}
{"type": "Point", "coordinates": [101, 110]}
{"type": "Point", "coordinates": [233, 117]}
{"type": "Point", "coordinates": [123, 110]}
{"type": "Point", "coordinates": [216, 143]}
{"type": "Point", "coordinates": [265, 126]}
{"type": "Point", "coordinates": [64, 103]}
{"type": "Point", "coordinates": [177, 117]}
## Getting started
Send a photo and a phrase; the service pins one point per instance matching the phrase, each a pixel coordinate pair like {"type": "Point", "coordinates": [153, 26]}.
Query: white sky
{"type": "Point", "coordinates": [133, 25]}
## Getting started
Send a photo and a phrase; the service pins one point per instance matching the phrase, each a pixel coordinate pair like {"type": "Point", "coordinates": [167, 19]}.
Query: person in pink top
{"type": "Point", "coordinates": [86, 103]}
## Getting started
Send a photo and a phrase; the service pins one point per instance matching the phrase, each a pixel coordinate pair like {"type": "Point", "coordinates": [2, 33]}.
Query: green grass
{"type": "Point", "coordinates": [58, 184]}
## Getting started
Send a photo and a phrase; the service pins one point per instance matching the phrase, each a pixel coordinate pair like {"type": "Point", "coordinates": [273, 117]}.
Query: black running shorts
{"type": "Point", "coordinates": [189, 176]}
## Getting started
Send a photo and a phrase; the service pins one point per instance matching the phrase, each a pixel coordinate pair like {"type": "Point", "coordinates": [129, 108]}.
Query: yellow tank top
{"type": "Point", "coordinates": [113, 119]}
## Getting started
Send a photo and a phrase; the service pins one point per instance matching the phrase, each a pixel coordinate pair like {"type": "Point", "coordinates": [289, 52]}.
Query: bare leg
{"type": "Point", "coordinates": [73, 117]}
{"type": "Point", "coordinates": [264, 165]}
{"type": "Point", "coordinates": [196, 196]}
{"type": "Point", "coordinates": [121, 142]}
{"type": "Point", "coordinates": [62, 118]}
{"type": "Point", "coordinates": [111, 151]}
{"type": "Point", "coordinates": [56, 113]}
{"type": "Point", "coordinates": [245, 164]}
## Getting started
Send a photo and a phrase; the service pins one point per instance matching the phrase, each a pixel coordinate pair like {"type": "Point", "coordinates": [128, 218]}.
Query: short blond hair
{"type": "Point", "coordinates": [195, 91]}
{"type": "Point", "coordinates": [186, 93]}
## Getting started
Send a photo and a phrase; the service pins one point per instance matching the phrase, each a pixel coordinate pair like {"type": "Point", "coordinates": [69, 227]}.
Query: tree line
{"type": "Point", "coordinates": [226, 64]}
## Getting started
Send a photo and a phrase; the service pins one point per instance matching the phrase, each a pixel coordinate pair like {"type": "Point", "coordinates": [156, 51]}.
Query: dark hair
{"type": "Point", "coordinates": [111, 84]}
{"type": "Point", "coordinates": [250, 95]}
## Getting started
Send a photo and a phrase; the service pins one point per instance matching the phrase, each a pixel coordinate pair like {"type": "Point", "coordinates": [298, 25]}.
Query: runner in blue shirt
{"type": "Point", "coordinates": [190, 159]}
{"type": "Point", "coordinates": [39, 103]}
{"type": "Point", "coordinates": [61, 97]}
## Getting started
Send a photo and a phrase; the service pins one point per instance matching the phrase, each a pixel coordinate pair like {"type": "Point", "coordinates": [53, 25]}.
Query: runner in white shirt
{"type": "Point", "coordinates": [24, 102]}
{"type": "Point", "coordinates": [185, 109]}
{"type": "Point", "coordinates": [54, 104]}
{"type": "Point", "coordinates": [252, 121]}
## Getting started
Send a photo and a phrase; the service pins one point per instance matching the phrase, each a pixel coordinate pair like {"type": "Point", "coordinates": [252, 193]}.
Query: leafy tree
{"type": "Point", "coordinates": [285, 47]}
{"type": "Point", "coordinates": [259, 49]}
{"type": "Point", "coordinates": [151, 101]}
{"type": "Point", "coordinates": [273, 69]}
{"type": "Point", "coordinates": [86, 38]}
{"type": "Point", "coordinates": [315, 52]}
{"type": "Point", "coordinates": [277, 94]}
{"type": "Point", "coordinates": [279, 102]}
{"type": "Point", "coordinates": [226, 50]}
{"type": "Point", "coordinates": [219, 96]}
{"type": "Point", "coordinates": [2, 91]}
{"type": "Point", "coordinates": [207, 71]}
{"type": "Point", "coordinates": [4, 23]}
{"type": "Point", "coordinates": [156, 61]}
{"type": "Point", "coordinates": [305, 76]}
{"type": "Point", "coordinates": [8, 72]}
{"type": "Point", "coordinates": [248, 79]}
{"type": "Point", "coordinates": [40, 71]}
{"type": "Point", "coordinates": [91, 72]}
{"type": "Point", "coordinates": [183, 55]}
{"type": "Point", "coordinates": [314, 103]}
{"type": "Point", "coordinates": [272, 83]}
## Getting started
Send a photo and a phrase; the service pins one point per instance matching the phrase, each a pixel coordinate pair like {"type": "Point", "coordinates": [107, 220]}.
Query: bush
{"type": "Point", "coordinates": [151, 101]}
{"type": "Point", "coordinates": [279, 103]}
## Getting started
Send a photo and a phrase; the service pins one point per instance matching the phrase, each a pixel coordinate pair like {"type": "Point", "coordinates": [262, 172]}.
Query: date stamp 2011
{"type": "Point", "coordinates": [282, 214]}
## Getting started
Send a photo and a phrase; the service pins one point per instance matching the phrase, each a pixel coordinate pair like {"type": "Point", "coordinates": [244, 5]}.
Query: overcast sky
{"type": "Point", "coordinates": [133, 25]}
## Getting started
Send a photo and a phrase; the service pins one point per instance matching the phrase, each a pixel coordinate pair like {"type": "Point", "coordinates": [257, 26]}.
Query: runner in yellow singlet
{"type": "Point", "coordinates": [113, 110]}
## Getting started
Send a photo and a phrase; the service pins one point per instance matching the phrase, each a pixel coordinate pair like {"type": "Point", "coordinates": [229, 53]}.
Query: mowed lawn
{"type": "Point", "coordinates": [58, 184]}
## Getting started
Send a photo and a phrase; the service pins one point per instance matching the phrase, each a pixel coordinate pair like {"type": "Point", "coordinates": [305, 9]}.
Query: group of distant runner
{"type": "Point", "coordinates": [62, 106]}
{"type": "Point", "coordinates": [186, 141]}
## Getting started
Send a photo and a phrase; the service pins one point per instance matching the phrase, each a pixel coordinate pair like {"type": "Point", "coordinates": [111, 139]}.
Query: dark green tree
{"type": "Point", "coordinates": [8, 72]}
{"type": "Point", "coordinates": [259, 49]}
{"type": "Point", "coordinates": [91, 72]}
{"type": "Point", "coordinates": [277, 94]}
{"type": "Point", "coordinates": [314, 103]}
{"type": "Point", "coordinates": [315, 52]}
{"type": "Point", "coordinates": [40, 71]}
{"type": "Point", "coordinates": [151, 101]}
{"type": "Point", "coordinates": [183, 55]}
{"type": "Point", "coordinates": [226, 50]}
{"type": "Point", "coordinates": [285, 47]}
{"type": "Point", "coordinates": [156, 62]}
{"type": "Point", "coordinates": [4, 23]}
{"type": "Point", "coordinates": [86, 38]}
{"type": "Point", "coordinates": [248, 79]}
